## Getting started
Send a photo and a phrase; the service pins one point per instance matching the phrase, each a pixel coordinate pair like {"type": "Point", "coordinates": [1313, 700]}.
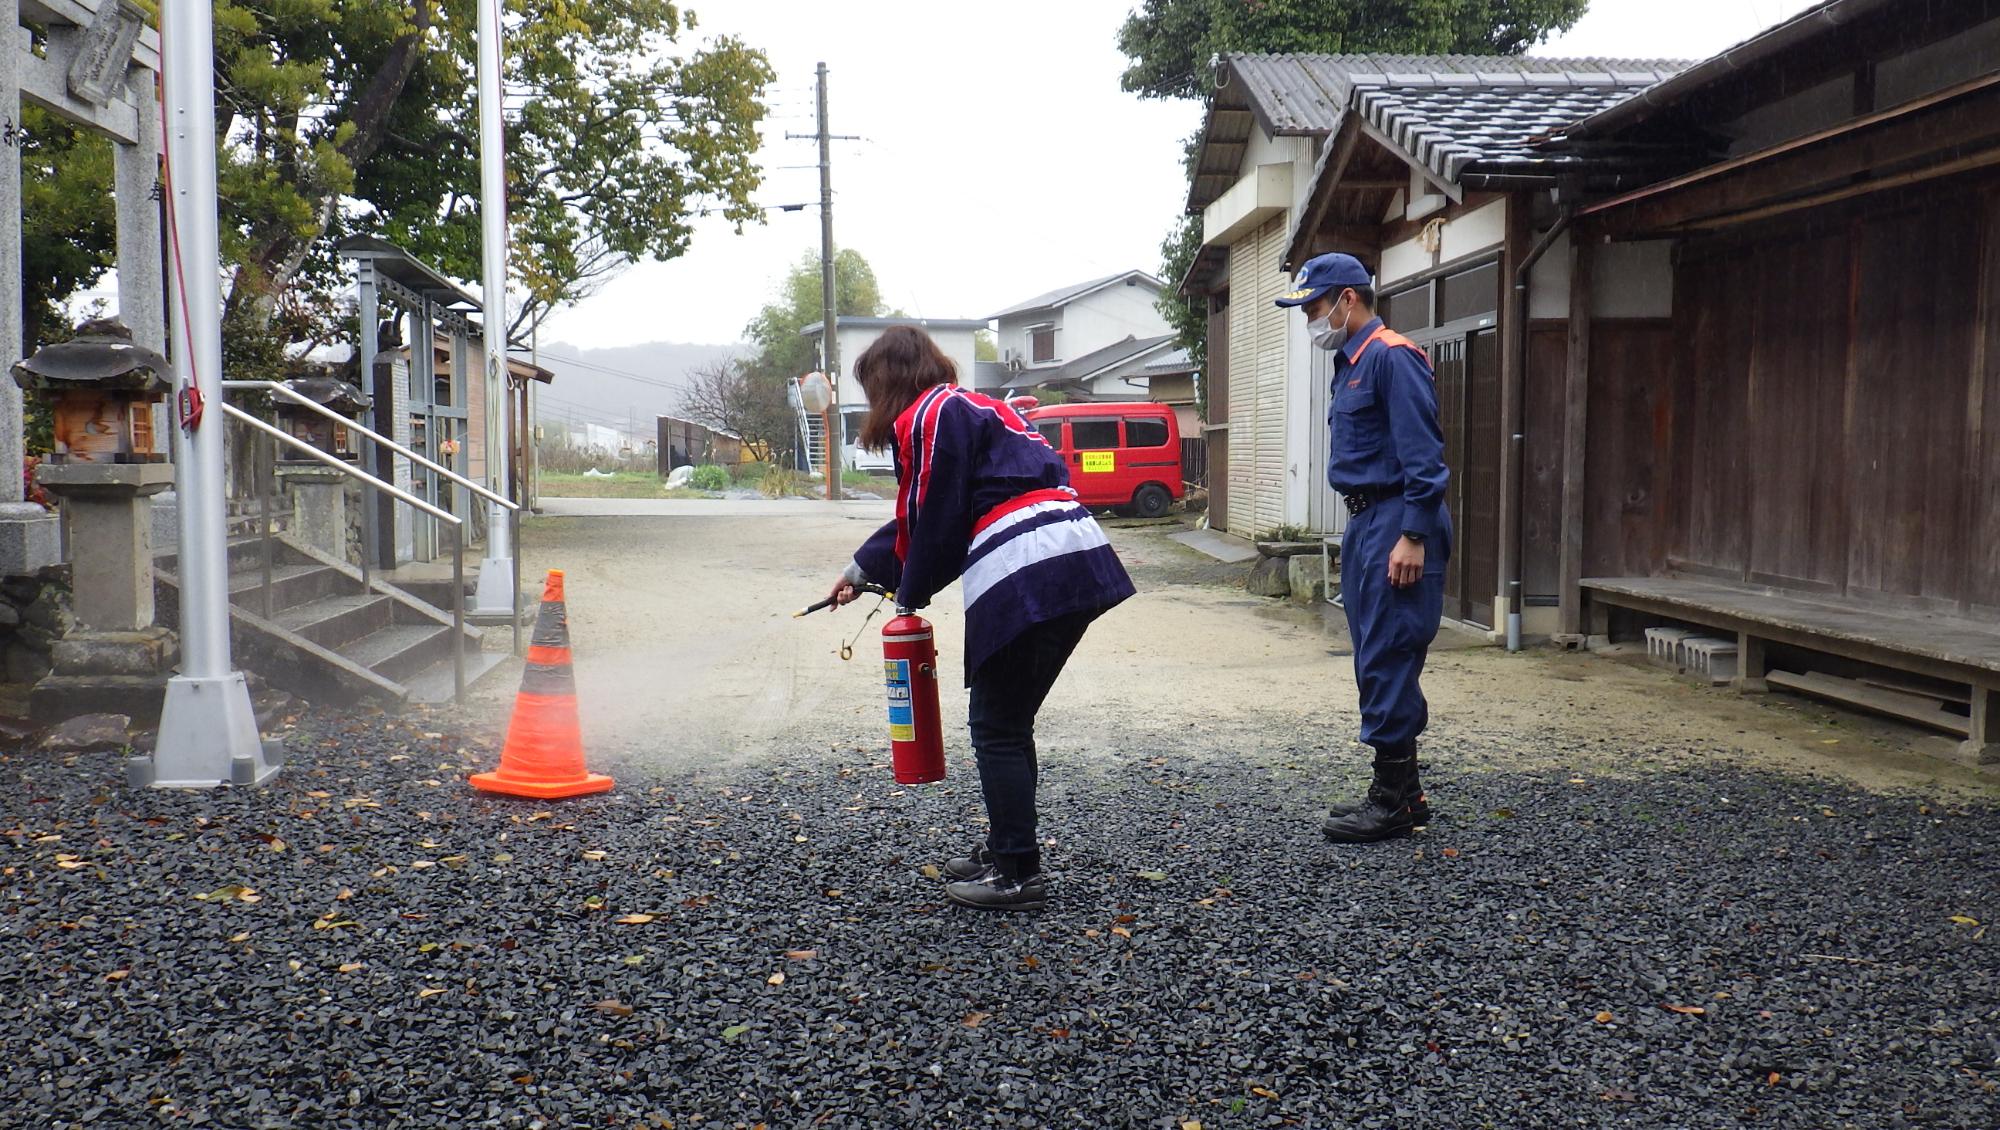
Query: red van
{"type": "Point", "coordinates": [1126, 456]}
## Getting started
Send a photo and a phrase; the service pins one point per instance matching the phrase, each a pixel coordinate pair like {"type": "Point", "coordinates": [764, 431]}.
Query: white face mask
{"type": "Point", "coordinates": [1327, 335]}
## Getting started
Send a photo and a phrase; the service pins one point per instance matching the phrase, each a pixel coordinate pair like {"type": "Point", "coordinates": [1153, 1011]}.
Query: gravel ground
{"type": "Point", "coordinates": [1646, 939]}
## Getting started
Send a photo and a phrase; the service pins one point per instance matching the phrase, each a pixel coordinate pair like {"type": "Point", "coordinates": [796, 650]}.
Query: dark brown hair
{"type": "Point", "coordinates": [901, 366]}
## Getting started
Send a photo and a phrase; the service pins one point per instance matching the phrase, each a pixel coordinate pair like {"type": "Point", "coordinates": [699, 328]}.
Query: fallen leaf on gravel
{"type": "Point", "coordinates": [423, 993]}
{"type": "Point", "coordinates": [541, 816]}
{"type": "Point", "coordinates": [428, 947]}
{"type": "Point", "coordinates": [1617, 1096]}
{"type": "Point", "coordinates": [328, 922]}
{"type": "Point", "coordinates": [834, 893]}
{"type": "Point", "coordinates": [635, 959]}
{"type": "Point", "coordinates": [931, 871]}
{"type": "Point", "coordinates": [70, 862]}
{"type": "Point", "coordinates": [422, 864]}
{"type": "Point", "coordinates": [1504, 813]}
{"type": "Point", "coordinates": [1154, 876]}
{"type": "Point", "coordinates": [1686, 1009]}
{"type": "Point", "coordinates": [455, 861]}
{"type": "Point", "coordinates": [242, 937]}
{"type": "Point", "coordinates": [1121, 931]}
{"type": "Point", "coordinates": [503, 857]}
{"type": "Point", "coordinates": [1770, 1080]}
{"type": "Point", "coordinates": [634, 919]}
{"type": "Point", "coordinates": [224, 894]}
{"type": "Point", "coordinates": [1032, 962]}
{"type": "Point", "coordinates": [1190, 1124]}
{"type": "Point", "coordinates": [975, 1019]}
{"type": "Point", "coordinates": [1604, 1018]}
{"type": "Point", "coordinates": [731, 1033]}
{"type": "Point", "coordinates": [1093, 934]}
{"type": "Point", "coordinates": [594, 856]}
{"type": "Point", "coordinates": [1450, 853]}
{"type": "Point", "coordinates": [345, 894]}
{"type": "Point", "coordinates": [117, 974]}
{"type": "Point", "coordinates": [613, 1008]}
{"type": "Point", "coordinates": [322, 794]}
{"type": "Point", "coordinates": [1126, 919]}
{"type": "Point", "coordinates": [1962, 920]}
{"type": "Point", "coordinates": [1059, 1033]}
{"type": "Point", "coordinates": [801, 955]}
{"type": "Point", "coordinates": [775, 979]}
{"type": "Point", "coordinates": [350, 967]}
{"type": "Point", "coordinates": [1262, 1092]}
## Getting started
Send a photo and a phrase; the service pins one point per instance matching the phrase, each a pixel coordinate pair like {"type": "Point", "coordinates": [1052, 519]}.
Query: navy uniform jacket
{"type": "Point", "coordinates": [982, 497]}
{"type": "Point", "coordinates": [1383, 417]}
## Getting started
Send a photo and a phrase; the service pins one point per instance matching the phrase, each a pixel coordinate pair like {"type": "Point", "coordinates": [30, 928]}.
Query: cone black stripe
{"type": "Point", "coordinates": [548, 679]}
{"type": "Point", "coordinates": [552, 625]}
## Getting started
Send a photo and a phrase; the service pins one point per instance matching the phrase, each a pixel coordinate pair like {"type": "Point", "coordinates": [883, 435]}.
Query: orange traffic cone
{"type": "Point", "coordinates": [543, 756]}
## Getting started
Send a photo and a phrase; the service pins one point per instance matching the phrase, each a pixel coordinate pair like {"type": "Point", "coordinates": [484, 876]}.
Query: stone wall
{"type": "Point", "coordinates": [34, 613]}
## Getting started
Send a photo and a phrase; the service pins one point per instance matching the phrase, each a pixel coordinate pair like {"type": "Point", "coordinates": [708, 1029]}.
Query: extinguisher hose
{"type": "Point", "coordinates": [847, 649]}
{"type": "Point", "coordinates": [809, 609]}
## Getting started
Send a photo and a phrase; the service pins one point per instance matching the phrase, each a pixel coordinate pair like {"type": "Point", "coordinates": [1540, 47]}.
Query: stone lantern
{"type": "Point", "coordinates": [327, 392]}
{"type": "Point", "coordinates": [101, 389]}
{"type": "Point", "coordinates": [319, 493]}
{"type": "Point", "coordinates": [105, 469]}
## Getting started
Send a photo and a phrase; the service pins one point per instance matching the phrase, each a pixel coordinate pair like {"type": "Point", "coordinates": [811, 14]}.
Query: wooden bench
{"type": "Point", "coordinates": [1952, 649]}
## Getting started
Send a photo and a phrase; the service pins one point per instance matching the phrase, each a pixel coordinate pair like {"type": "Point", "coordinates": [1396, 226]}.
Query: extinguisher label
{"type": "Point", "coordinates": [902, 722]}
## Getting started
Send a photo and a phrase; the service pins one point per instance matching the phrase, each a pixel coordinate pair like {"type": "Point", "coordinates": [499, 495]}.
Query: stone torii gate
{"type": "Point", "coordinates": [100, 69]}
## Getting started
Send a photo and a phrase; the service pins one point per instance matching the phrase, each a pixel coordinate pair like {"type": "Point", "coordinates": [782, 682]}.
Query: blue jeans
{"type": "Point", "coordinates": [1007, 693]}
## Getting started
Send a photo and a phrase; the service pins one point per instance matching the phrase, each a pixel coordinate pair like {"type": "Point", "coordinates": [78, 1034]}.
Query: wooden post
{"type": "Point", "coordinates": [1982, 745]}
{"type": "Point", "coordinates": [1576, 430]}
{"type": "Point", "coordinates": [1751, 665]}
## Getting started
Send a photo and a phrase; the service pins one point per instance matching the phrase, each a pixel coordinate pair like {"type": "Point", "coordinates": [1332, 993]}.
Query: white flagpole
{"type": "Point", "coordinates": [496, 572]}
{"type": "Point", "coordinates": [208, 732]}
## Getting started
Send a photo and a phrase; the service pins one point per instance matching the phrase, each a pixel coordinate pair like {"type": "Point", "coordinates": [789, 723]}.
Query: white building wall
{"type": "Point", "coordinates": [1111, 315]}
{"type": "Point", "coordinates": [957, 344]}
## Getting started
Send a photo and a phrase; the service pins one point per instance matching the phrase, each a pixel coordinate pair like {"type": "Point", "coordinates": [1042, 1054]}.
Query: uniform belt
{"type": "Point", "coordinates": [1360, 500]}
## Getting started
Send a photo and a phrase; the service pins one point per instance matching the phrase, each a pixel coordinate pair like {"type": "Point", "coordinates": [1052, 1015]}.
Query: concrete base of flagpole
{"type": "Point", "coordinates": [493, 601]}
{"type": "Point", "coordinates": [208, 737]}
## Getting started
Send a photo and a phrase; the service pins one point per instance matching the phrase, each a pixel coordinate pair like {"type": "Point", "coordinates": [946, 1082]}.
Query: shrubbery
{"type": "Point", "coordinates": [709, 477]}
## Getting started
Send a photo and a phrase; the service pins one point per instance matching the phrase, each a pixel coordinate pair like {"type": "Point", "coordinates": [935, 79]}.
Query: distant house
{"type": "Point", "coordinates": [954, 335]}
{"type": "Point", "coordinates": [1069, 334]}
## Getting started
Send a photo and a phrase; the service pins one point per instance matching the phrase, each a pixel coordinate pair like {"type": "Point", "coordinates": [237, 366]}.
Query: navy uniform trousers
{"type": "Point", "coordinates": [1392, 628]}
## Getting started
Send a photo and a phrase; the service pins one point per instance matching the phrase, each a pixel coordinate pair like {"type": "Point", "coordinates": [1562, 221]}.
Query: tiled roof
{"type": "Point", "coordinates": [1064, 295]}
{"type": "Point", "coordinates": [1305, 94]}
{"type": "Point", "coordinates": [1098, 360]}
{"type": "Point", "coordinates": [1449, 123]}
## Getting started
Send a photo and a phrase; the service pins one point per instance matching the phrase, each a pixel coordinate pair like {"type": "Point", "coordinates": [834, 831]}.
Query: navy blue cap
{"type": "Point", "coordinates": [1323, 273]}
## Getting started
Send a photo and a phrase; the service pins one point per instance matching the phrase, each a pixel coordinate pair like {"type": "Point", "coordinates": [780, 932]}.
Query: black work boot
{"type": "Point", "coordinates": [1389, 810]}
{"type": "Point", "coordinates": [1006, 883]}
{"type": "Point", "coordinates": [1420, 808]}
{"type": "Point", "coordinates": [966, 867]}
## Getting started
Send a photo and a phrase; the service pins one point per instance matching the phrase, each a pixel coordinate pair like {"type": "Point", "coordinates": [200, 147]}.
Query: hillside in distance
{"type": "Point", "coordinates": [623, 387]}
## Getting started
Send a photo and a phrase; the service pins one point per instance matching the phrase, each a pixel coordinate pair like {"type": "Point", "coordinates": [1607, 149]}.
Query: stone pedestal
{"type": "Point", "coordinates": [28, 539]}
{"type": "Point", "coordinates": [319, 507]}
{"type": "Point", "coordinates": [114, 659]}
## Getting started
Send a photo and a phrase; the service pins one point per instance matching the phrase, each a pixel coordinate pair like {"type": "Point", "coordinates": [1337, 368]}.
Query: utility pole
{"type": "Point", "coordinates": [829, 335]}
{"type": "Point", "coordinates": [496, 596]}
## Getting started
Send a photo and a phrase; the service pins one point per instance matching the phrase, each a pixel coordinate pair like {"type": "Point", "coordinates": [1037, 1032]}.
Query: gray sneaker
{"type": "Point", "coordinates": [994, 889]}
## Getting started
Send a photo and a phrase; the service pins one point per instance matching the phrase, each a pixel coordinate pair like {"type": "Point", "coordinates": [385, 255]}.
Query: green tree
{"type": "Point", "coordinates": [338, 117]}
{"type": "Point", "coordinates": [69, 229]}
{"type": "Point", "coordinates": [783, 352]}
{"type": "Point", "coordinates": [984, 347]}
{"type": "Point", "coordinates": [1172, 45]}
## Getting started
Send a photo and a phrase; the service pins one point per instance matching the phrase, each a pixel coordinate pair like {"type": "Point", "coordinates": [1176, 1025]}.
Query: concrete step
{"type": "Point", "coordinates": [434, 684]}
{"type": "Point", "coordinates": [333, 621]}
{"type": "Point", "coordinates": [399, 651]}
{"type": "Point", "coordinates": [291, 585]}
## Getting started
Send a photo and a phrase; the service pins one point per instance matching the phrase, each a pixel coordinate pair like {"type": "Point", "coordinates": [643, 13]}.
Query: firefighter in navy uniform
{"type": "Point", "coordinates": [1387, 462]}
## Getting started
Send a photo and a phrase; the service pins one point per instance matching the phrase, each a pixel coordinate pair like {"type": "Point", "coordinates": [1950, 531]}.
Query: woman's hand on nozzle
{"type": "Point", "coordinates": [843, 592]}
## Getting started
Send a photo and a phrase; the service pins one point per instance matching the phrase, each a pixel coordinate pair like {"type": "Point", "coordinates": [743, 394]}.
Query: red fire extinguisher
{"type": "Point", "coordinates": [909, 667]}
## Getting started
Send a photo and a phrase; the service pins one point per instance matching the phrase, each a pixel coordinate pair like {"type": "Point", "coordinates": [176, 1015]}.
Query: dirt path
{"type": "Point", "coordinates": [687, 657]}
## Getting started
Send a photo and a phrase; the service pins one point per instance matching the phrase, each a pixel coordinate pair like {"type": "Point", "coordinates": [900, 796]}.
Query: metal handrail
{"type": "Point", "coordinates": [348, 422]}
{"type": "Point", "coordinates": [456, 523]}
{"type": "Point", "coordinates": [337, 463]}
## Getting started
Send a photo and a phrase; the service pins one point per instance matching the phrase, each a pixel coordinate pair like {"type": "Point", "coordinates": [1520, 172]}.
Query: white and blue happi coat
{"type": "Point", "coordinates": [981, 495]}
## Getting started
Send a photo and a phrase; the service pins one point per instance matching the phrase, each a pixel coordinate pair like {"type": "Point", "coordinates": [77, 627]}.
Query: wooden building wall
{"type": "Point", "coordinates": [1822, 413]}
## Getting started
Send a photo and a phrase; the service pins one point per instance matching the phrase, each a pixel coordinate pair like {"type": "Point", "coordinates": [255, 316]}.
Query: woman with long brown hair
{"type": "Point", "coordinates": [981, 496]}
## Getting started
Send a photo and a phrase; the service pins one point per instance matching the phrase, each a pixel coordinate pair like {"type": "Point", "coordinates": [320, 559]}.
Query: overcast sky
{"type": "Point", "coordinates": [1001, 159]}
